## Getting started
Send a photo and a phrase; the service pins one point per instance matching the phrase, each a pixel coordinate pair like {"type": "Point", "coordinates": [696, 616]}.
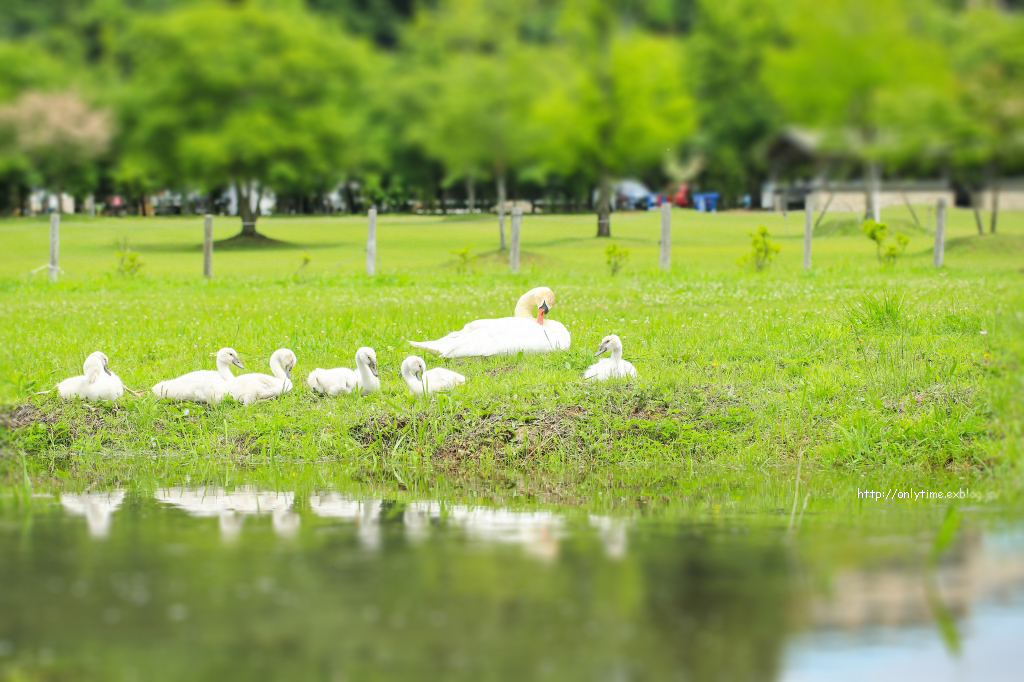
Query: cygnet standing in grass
{"type": "Point", "coordinates": [202, 386]}
{"type": "Point", "coordinates": [422, 380]}
{"type": "Point", "coordinates": [98, 382]}
{"type": "Point", "coordinates": [610, 368]}
{"type": "Point", "coordinates": [345, 380]}
{"type": "Point", "coordinates": [249, 388]}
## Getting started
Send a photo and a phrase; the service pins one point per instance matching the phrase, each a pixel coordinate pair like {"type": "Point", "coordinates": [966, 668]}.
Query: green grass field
{"type": "Point", "coordinates": [851, 368]}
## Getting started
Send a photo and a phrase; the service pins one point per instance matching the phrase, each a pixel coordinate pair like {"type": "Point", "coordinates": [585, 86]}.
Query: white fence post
{"type": "Point", "coordinates": [808, 229]}
{"type": "Point", "coordinates": [665, 258]}
{"type": "Point", "coordinates": [940, 232]}
{"type": "Point", "coordinates": [54, 245]}
{"type": "Point", "coordinates": [371, 243]}
{"type": "Point", "coordinates": [208, 246]}
{"type": "Point", "coordinates": [513, 254]}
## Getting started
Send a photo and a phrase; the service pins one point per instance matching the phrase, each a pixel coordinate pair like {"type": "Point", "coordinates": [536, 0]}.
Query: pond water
{"type": "Point", "coordinates": [228, 583]}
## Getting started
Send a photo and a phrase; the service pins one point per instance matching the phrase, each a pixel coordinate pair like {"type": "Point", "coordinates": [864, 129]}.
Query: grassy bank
{"type": "Point", "coordinates": [850, 367]}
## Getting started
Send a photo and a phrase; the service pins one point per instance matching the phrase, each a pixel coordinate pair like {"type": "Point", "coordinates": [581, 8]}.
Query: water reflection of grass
{"type": "Point", "coordinates": [737, 371]}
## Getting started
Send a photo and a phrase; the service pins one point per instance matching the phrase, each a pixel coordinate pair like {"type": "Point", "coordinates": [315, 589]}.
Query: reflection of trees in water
{"type": "Point", "coordinates": [895, 591]}
{"type": "Point", "coordinates": [718, 605]}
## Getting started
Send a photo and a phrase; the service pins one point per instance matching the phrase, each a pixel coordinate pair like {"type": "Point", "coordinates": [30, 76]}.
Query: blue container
{"type": "Point", "coordinates": [706, 201]}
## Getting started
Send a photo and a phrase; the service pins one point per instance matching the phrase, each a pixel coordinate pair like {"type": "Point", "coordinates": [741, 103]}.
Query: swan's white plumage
{"type": "Point", "coordinates": [96, 383]}
{"type": "Point", "coordinates": [203, 386]}
{"type": "Point", "coordinates": [345, 380]}
{"type": "Point", "coordinates": [506, 335]}
{"type": "Point", "coordinates": [610, 368]}
{"type": "Point", "coordinates": [423, 380]}
{"type": "Point", "coordinates": [250, 388]}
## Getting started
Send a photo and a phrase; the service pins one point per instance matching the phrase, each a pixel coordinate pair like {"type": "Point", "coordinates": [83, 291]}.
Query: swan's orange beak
{"type": "Point", "coordinates": [542, 310]}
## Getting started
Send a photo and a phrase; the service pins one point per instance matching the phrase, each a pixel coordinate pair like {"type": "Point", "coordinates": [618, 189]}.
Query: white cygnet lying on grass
{"type": "Point", "coordinates": [423, 380]}
{"type": "Point", "coordinates": [610, 368]}
{"type": "Point", "coordinates": [250, 388]}
{"type": "Point", "coordinates": [97, 382]}
{"type": "Point", "coordinates": [345, 380]}
{"type": "Point", "coordinates": [202, 386]}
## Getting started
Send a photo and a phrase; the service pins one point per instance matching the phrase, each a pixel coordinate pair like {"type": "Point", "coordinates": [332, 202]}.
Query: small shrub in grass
{"type": "Point", "coordinates": [888, 251]}
{"type": "Point", "coordinates": [128, 262]}
{"type": "Point", "coordinates": [895, 248]}
{"type": "Point", "coordinates": [762, 251]}
{"type": "Point", "coordinates": [615, 258]}
{"type": "Point", "coordinates": [464, 261]}
{"type": "Point", "coordinates": [306, 260]}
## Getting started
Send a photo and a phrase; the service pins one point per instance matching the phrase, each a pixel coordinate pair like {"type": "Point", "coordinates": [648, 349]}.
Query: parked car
{"type": "Point", "coordinates": [632, 195]}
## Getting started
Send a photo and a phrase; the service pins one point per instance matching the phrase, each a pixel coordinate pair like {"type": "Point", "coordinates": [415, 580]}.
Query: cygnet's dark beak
{"type": "Point", "coordinates": [238, 363]}
{"type": "Point", "coordinates": [373, 368]}
{"type": "Point", "coordinates": [107, 369]}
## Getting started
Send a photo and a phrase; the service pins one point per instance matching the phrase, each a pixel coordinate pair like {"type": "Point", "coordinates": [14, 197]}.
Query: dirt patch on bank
{"type": "Point", "coordinates": [60, 430]}
{"type": "Point", "coordinates": [24, 415]}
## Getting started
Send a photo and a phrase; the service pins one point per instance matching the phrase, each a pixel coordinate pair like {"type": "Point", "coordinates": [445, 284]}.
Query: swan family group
{"type": "Point", "coordinates": [523, 332]}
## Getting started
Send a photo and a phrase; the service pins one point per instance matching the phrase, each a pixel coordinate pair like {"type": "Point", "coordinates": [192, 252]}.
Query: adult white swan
{"type": "Point", "coordinates": [610, 368]}
{"type": "Point", "coordinates": [506, 335]}
{"type": "Point", "coordinates": [203, 386]}
{"type": "Point", "coordinates": [97, 382]}
{"type": "Point", "coordinates": [423, 380]}
{"type": "Point", "coordinates": [248, 388]}
{"type": "Point", "coordinates": [345, 380]}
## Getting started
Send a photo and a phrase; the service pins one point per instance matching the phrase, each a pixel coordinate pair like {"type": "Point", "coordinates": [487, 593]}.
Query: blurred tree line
{"type": "Point", "coordinates": [433, 103]}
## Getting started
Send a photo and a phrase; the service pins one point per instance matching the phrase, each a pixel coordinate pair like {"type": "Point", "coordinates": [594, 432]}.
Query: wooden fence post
{"type": "Point", "coordinates": [371, 243]}
{"type": "Point", "coordinates": [940, 232]}
{"type": "Point", "coordinates": [808, 230]}
{"type": "Point", "coordinates": [208, 246]}
{"type": "Point", "coordinates": [54, 244]}
{"type": "Point", "coordinates": [665, 258]}
{"type": "Point", "coordinates": [513, 254]}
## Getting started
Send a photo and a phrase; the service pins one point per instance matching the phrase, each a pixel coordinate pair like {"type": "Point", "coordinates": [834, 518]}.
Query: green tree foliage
{"type": "Point", "coordinates": [255, 98]}
{"type": "Point", "coordinates": [471, 89]}
{"type": "Point", "coordinates": [840, 61]}
{"type": "Point", "coordinates": [58, 135]}
{"type": "Point", "coordinates": [381, 20]}
{"type": "Point", "coordinates": [989, 65]}
{"type": "Point", "coordinates": [27, 67]}
{"type": "Point", "coordinates": [736, 114]}
{"type": "Point", "coordinates": [278, 94]}
{"type": "Point", "coordinates": [620, 103]}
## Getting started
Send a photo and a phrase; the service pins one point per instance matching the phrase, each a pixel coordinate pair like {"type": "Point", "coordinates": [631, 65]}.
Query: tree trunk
{"type": "Point", "coordinates": [350, 197]}
{"type": "Point", "coordinates": [470, 193]}
{"type": "Point", "coordinates": [975, 201]}
{"type": "Point", "coordinates": [604, 206]}
{"type": "Point", "coordinates": [994, 189]}
{"type": "Point", "coordinates": [873, 180]}
{"type": "Point", "coordinates": [243, 196]}
{"type": "Point", "coordinates": [501, 208]}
